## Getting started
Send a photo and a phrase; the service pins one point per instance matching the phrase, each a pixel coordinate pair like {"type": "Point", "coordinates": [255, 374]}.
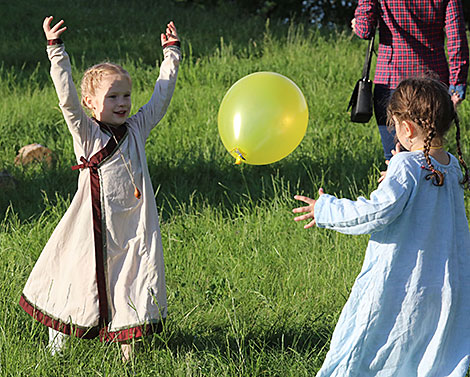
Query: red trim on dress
{"type": "Point", "coordinates": [66, 328]}
{"type": "Point", "coordinates": [94, 164]}
{"type": "Point", "coordinates": [132, 333]}
{"type": "Point", "coordinates": [90, 332]}
{"type": "Point", "coordinates": [98, 232]}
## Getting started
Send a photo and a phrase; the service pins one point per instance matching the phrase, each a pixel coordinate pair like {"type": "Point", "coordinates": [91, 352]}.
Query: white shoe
{"type": "Point", "coordinates": [56, 342]}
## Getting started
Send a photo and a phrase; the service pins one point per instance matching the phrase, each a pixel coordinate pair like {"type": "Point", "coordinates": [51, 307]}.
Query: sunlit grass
{"type": "Point", "coordinates": [250, 292]}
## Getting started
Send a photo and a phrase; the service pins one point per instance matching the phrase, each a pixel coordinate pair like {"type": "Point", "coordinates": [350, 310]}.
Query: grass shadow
{"type": "Point", "coordinates": [305, 340]}
{"type": "Point", "coordinates": [229, 186]}
{"type": "Point", "coordinates": [181, 186]}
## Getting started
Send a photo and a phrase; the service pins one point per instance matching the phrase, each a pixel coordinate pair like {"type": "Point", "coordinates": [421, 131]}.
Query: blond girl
{"type": "Point", "coordinates": [101, 273]}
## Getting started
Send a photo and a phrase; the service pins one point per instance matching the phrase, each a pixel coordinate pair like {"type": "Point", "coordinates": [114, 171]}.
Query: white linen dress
{"type": "Point", "coordinates": [408, 313]}
{"type": "Point", "coordinates": [102, 271]}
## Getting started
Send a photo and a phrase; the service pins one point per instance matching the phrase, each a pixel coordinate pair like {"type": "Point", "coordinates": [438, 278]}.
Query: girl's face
{"type": "Point", "coordinates": [111, 103]}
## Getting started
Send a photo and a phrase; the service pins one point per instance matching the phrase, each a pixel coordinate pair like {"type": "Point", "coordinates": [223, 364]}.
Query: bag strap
{"type": "Point", "coordinates": [367, 62]}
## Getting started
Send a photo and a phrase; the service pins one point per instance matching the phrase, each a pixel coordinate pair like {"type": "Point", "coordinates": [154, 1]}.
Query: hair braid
{"type": "Point", "coordinates": [465, 181]}
{"type": "Point", "coordinates": [427, 103]}
{"type": "Point", "coordinates": [435, 175]}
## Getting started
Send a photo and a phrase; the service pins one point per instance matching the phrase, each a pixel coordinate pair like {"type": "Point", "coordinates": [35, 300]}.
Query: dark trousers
{"type": "Point", "coordinates": [382, 94]}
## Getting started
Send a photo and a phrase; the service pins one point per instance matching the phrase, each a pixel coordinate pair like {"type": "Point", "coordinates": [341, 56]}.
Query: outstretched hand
{"type": "Point", "coordinates": [309, 209]}
{"type": "Point", "coordinates": [170, 34]}
{"type": "Point", "coordinates": [55, 31]}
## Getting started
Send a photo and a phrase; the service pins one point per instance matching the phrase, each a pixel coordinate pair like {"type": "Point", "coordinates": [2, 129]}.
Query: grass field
{"type": "Point", "coordinates": [250, 292]}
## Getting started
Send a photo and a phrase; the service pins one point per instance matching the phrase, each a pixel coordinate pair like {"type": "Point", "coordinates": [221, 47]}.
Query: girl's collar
{"type": "Point", "coordinates": [119, 131]}
{"type": "Point", "coordinates": [432, 147]}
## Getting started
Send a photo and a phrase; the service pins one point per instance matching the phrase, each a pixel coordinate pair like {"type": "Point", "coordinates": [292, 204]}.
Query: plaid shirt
{"type": "Point", "coordinates": [412, 39]}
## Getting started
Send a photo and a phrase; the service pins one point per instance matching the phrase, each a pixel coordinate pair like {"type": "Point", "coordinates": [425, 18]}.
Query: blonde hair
{"type": "Point", "coordinates": [93, 76]}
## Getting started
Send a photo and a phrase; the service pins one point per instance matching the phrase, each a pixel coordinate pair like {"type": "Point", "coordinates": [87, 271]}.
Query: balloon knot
{"type": "Point", "coordinates": [239, 156]}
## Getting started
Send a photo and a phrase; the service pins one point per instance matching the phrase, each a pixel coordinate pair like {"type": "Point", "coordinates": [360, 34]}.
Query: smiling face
{"type": "Point", "coordinates": [111, 103]}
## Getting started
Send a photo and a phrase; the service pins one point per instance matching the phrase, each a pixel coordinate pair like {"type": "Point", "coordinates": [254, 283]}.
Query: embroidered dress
{"type": "Point", "coordinates": [407, 314]}
{"type": "Point", "coordinates": [102, 270]}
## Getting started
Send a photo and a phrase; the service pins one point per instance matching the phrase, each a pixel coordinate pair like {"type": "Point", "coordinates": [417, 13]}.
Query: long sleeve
{"type": "Point", "coordinates": [366, 18]}
{"type": "Point", "coordinates": [69, 102]}
{"type": "Point", "coordinates": [151, 113]}
{"type": "Point", "coordinates": [365, 216]}
{"type": "Point", "coordinates": [457, 47]}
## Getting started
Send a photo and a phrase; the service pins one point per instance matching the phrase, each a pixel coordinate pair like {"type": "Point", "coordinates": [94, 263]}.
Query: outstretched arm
{"type": "Point", "coordinates": [386, 203]}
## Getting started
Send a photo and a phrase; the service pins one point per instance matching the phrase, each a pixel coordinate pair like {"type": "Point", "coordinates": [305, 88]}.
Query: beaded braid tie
{"type": "Point", "coordinates": [435, 175]}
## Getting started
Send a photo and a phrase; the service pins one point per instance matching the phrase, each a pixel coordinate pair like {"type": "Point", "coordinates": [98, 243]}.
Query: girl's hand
{"type": "Point", "coordinates": [395, 151]}
{"type": "Point", "coordinates": [170, 34]}
{"type": "Point", "coordinates": [309, 209]}
{"type": "Point", "coordinates": [55, 31]}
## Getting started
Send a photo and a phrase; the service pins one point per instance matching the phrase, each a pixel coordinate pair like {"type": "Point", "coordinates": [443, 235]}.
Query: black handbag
{"type": "Point", "coordinates": [361, 102]}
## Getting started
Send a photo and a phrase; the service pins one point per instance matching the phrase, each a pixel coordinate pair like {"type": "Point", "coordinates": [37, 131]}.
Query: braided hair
{"type": "Point", "coordinates": [466, 178]}
{"type": "Point", "coordinates": [427, 103]}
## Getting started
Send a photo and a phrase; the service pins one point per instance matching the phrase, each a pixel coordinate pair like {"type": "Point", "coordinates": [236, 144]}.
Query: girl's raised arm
{"type": "Point", "coordinates": [151, 113]}
{"type": "Point", "coordinates": [61, 74]}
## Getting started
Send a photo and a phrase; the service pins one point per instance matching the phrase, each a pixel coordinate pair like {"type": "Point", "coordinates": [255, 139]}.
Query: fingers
{"type": "Point", "coordinates": [397, 149]}
{"type": "Point", "coordinates": [46, 25]}
{"type": "Point", "coordinates": [304, 199]}
{"type": "Point", "coordinates": [304, 217]}
{"type": "Point", "coordinates": [383, 174]}
{"type": "Point", "coordinates": [55, 28]}
{"type": "Point", "coordinates": [394, 151]}
{"type": "Point", "coordinates": [171, 31]}
{"type": "Point", "coordinates": [310, 224]}
{"type": "Point", "coordinates": [170, 34]}
{"type": "Point", "coordinates": [309, 209]}
{"type": "Point", "coordinates": [302, 209]}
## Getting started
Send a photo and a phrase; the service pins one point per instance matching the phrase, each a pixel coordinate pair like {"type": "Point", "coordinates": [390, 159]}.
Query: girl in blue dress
{"type": "Point", "coordinates": [408, 312]}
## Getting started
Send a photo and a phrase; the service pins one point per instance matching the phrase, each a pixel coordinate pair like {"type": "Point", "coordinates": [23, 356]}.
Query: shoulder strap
{"type": "Point", "coordinates": [370, 50]}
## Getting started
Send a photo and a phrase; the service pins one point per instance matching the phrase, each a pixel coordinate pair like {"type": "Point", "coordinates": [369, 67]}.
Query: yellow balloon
{"type": "Point", "coordinates": [262, 118]}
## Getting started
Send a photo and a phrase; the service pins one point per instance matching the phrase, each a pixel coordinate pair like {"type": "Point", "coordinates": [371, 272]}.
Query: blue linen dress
{"type": "Point", "coordinates": [408, 313]}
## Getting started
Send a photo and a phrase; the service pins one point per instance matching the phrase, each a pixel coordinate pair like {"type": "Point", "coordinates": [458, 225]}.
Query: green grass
{"type": "Point", "coordinates": [250, 292]}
